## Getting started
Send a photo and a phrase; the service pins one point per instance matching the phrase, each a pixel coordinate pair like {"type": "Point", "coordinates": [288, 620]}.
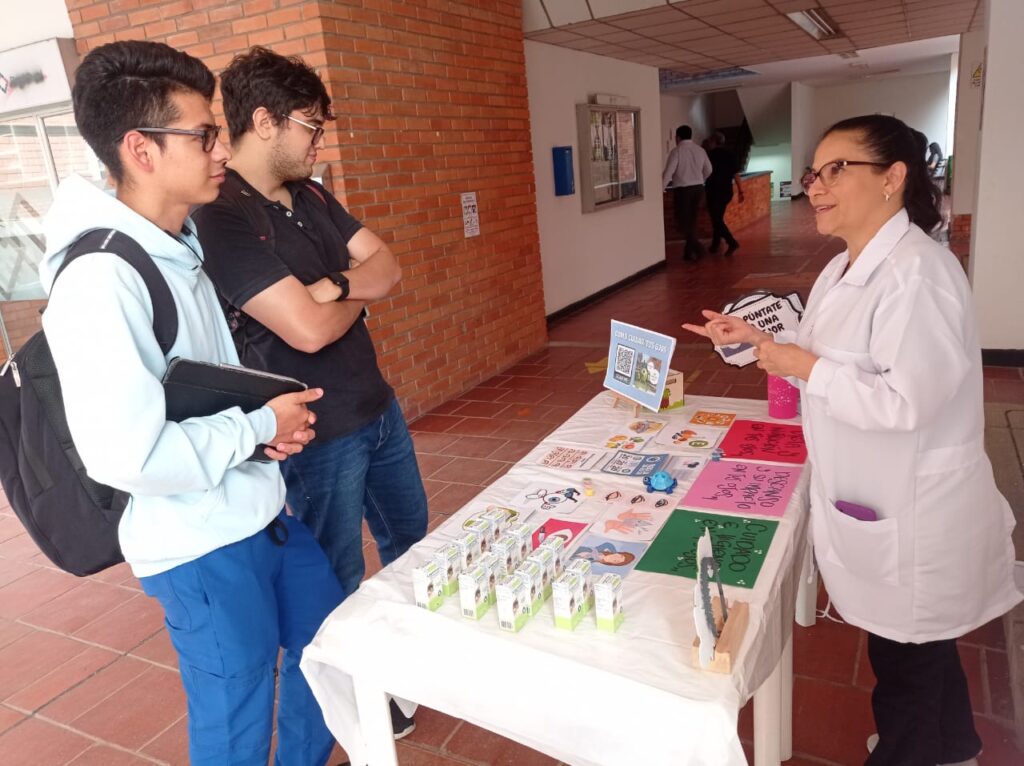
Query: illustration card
{"type": "Point", "coordinates": [638, 364]}
{"type": "Point", "coordinates": [738, 487]}
{"type": "Point", "coordinates": [609, 556]}
{"type": "Point", "coordinates": [549, 497]}
{"type": "Point", "coordinates": [718, 419]}
{"type": "Point", "coordinates": [635, 522]}
{"type": "Point", "coordinates": [630, 464]}
{"type": "Point", "coordinates": [567, 530]}
{"type": "Point", "coordinates": [571, 458]}
{"type": "Point", "coordinates": [758, 440]}
{"type": "Point", "coordinates": [688, 437]}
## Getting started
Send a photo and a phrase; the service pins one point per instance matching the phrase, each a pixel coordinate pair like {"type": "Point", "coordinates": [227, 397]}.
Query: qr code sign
{"type": "Point", "coordinates": [625, 358]}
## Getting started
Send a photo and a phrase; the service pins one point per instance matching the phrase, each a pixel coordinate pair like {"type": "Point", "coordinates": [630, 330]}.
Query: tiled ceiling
{"type": "Point", "coordinates": [695, 36]}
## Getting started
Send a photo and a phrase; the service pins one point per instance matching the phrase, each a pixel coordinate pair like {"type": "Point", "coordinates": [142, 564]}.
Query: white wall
{"type": "Point", "coordinates": [921, 101]}
{"type": "Point", "coordinates": [23, 23]}
{"type": "Point", "coordinates": [768, 109]}
{"type": "Point", "coordinates": [683, 109]}
{"type": "Point", "coordinates": [804, 139]}
{"type": "Point", "coordinates": [778, 159]}
{"type": "Point", "coordinates": [582, 254]}
{"type": "Point", "coordinates": [997, 252]}
{"type": "Point", "coordinates": [968, 123]}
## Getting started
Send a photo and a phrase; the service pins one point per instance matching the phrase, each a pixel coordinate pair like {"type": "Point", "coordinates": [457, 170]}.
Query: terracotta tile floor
{"type": "Point", "coordinates": [87, 675]}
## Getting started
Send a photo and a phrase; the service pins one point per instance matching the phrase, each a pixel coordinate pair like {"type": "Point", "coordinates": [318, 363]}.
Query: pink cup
{"type": "Point", "coordinates": [782, 398]}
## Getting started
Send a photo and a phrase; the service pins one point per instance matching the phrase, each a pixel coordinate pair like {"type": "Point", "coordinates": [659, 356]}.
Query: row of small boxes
{"type": "Point", "coordinates": [491, 563]}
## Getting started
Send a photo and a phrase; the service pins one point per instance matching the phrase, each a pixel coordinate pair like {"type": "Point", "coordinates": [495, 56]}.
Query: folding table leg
{"type": "Point", "coordinates": [807, 592]}
{"type": "Point", "coordinates": [768, 719]}
{"type": "Point", "coordinates": [786, 708]}
{"type": "Point", "coordinates": [375, 724]}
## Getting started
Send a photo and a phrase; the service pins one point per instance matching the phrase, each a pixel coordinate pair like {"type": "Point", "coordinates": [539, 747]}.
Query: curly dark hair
{"type": "Point", "coordinates": [281, 84]}
{"type": "Point", "coordinates": [889, 140]}
{"type": "Point", "coordinates": [129, 84]}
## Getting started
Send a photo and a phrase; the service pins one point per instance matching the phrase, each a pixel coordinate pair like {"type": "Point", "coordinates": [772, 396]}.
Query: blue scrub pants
{"type": "Point", "coordinates": [227, 613]}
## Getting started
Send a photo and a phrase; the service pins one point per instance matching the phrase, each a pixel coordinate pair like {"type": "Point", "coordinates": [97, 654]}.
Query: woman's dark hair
{"type": "Point", "coordinates": [128, 84]}
{"type": "Point", "coordinates": [889, 140]}
{"type": "Point", "coordinates": [281, 84]}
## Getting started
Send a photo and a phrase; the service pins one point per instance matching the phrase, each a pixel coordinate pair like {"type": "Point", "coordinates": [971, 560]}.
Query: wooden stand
{"type": "Point", "coordinates": [629, 404]}
{"type": "Point", "coordinates": [730, 636]}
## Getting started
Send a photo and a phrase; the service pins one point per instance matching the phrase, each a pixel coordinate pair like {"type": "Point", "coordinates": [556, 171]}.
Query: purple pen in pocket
{"type": "Point", "coordinates": [859, 512]}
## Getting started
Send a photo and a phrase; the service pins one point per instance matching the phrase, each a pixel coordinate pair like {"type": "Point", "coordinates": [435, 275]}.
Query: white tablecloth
{"type": "Point", "coordinates": [585, 697]}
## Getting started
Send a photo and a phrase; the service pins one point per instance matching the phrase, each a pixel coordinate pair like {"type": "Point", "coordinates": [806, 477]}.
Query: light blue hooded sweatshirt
{"type": "Point", "coordinates": [192, 489]}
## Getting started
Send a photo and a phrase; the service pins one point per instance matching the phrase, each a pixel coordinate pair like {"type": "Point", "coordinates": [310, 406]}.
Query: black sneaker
{"type": "Point", "coordinates": [401, 724]}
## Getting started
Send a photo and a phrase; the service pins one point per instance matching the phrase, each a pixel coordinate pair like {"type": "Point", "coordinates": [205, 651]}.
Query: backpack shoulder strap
{"type": "Point", "coordinates": [317, 190]}
{"type": "Point", "coordinates": [165, 315]}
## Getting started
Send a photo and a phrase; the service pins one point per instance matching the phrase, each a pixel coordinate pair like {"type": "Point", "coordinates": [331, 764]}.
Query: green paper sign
{"type": "Point", "coordinates": [740, 545]}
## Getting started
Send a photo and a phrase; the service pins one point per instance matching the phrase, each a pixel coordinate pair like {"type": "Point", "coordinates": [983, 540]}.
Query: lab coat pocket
{"type": "Point", "coordinates": [867, 549]}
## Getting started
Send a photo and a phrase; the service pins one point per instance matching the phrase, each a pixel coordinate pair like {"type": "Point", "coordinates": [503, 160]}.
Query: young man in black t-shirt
{"type": "Point", "coordinates": [718, 190]}
{"type": "Point", "coordinates": [297, 269]}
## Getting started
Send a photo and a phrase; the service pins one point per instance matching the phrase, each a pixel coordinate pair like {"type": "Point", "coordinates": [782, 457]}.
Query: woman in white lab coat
{"type": "Point", "coordinates": [889, 368]}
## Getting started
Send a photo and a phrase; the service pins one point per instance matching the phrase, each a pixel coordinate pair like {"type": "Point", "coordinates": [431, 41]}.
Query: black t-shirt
{"type": "Point", "coordinates": [308, 242]}
{"type": "Point", "coordinates": [723, 168]}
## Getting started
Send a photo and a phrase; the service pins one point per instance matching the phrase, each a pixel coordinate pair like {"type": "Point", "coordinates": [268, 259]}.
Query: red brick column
{"type": "Point", "coordinates": [431, 101]}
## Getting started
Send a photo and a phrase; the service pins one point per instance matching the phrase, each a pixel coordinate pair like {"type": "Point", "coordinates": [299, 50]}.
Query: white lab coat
{"type": "Point", "coordinates": [894, 421]}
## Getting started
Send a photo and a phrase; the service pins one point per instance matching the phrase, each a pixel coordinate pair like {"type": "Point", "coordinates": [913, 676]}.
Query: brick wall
{"type": "Point", "coordinates": [431, 98]}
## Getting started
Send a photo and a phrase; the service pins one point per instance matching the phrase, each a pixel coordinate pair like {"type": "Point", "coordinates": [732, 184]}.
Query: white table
{"type": "Point", "coordinates": [585, 697]}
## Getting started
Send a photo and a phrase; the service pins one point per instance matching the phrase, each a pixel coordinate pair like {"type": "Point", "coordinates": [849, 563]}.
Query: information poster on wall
{"type": "Point", "coordinates": [758, 440]}
{"type": "Point", "coordinates": [470, 215]}
{"type": "Point", "coordinates": [738, 487]}
{"type": "Point", "coordinates": [739, 544]}
{"type": "Point", "coordinates": [638, 364]}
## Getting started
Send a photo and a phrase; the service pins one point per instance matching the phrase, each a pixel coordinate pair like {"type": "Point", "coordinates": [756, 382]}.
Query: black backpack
{"type": "Point", "coordinates": [72, 518]}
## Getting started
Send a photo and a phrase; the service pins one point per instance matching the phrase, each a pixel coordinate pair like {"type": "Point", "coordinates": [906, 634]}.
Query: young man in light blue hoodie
{"type": "Point", "coordinates": [204, 531]}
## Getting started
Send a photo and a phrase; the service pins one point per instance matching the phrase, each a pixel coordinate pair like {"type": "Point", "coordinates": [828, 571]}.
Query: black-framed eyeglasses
{"type": "Point", "coordinates": [318, 130]}
{"type": "Point", "coordinates": [208, 133]}
{"type": "Point", "coordinates": [830, 172]}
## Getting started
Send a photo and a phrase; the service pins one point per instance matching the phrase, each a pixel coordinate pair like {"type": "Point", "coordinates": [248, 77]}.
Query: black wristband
{"type": "Point", "coordinates": [342, 282]}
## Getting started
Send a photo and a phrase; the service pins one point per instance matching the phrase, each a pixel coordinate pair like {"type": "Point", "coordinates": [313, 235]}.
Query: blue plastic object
{"type": "Point", "coordinates": [661, 481]}
{"type": "Point", "coordinates": [561, 159]}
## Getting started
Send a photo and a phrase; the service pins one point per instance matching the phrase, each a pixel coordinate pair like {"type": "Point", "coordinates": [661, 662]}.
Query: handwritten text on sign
{"type": "Point", "coordinates": [738, 487]}
{"type": "Point", "coordinates": [757, 440]}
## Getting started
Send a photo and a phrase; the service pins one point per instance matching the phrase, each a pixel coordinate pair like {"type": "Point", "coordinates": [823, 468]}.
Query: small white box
{"type": "Point", "coordinates": [556, 545]}
{"type": "Point", "coordinates": [492, 566]}
{"type": "Point", "coordinates": [428, 586]}
{"type": "Point", "coordinates": [513, 596]}
{"type": "Point", "coordinates": [582, 568]}
{"type": "Point", "coordinates": [469, 548]}
{"type": "Point", "coordinates": [484, 530]}
{"type": "Point", "coordinates": [474, 592]}
{"type": "Point", "coordinates": [449, 558]}
{"type": "Point", "coordinates": [534, 575]}
{"type": "Point", "coordinates": [608, 602]}
{"type": "Point", "coordinates": [499, 517]}
{"type": "Point", "coordinates": [506, 550]}
{"type": "Point", "coordinates": [546, 558]}
{"type": "Point", "coordinates": [568, 600]}
{"type": "Point", "coordinates": [523, 534]}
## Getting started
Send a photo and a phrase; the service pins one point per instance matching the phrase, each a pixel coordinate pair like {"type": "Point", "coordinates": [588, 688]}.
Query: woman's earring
{"type": "Point", "coordinates": [887, 195]}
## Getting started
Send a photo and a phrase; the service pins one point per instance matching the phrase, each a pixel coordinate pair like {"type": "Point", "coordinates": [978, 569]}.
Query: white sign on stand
{"type": "Point", "coordinates": [470, 215]}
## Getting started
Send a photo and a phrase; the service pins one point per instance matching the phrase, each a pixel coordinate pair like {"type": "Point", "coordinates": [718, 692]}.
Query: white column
{"type": "Point", "coordinates": [954, 66]}
{"type": "Point", "coordinates": [997, 247]}
{"type": "Point", "coordinates": [967, 125]}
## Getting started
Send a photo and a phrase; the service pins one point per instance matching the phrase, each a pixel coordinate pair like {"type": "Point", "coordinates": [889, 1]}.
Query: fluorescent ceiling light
{"type": "Point", "coordinates": [814, 22]}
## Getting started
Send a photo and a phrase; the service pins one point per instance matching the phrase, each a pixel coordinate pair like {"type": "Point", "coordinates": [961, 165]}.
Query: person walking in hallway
{"type": "Point", "coordinates": [686, 169]}
{"type": "Point", "coordinates": [725, 171]}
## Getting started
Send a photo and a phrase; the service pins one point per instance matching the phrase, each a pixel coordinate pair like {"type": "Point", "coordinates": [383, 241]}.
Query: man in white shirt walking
{"type": "Point", "coordinates": [687, 167]}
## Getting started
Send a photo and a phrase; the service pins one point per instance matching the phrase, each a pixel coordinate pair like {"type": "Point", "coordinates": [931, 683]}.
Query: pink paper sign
{"type": "Point", "coordinates": [757, 440]}
{"type": "Point", "coordinates": [738, 487]}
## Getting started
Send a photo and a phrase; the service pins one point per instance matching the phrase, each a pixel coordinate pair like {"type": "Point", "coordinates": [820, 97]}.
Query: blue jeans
{"type": "Point", "coordinates": [370, 473]}
{"type": "Point", "coordinates": [227, 613]}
